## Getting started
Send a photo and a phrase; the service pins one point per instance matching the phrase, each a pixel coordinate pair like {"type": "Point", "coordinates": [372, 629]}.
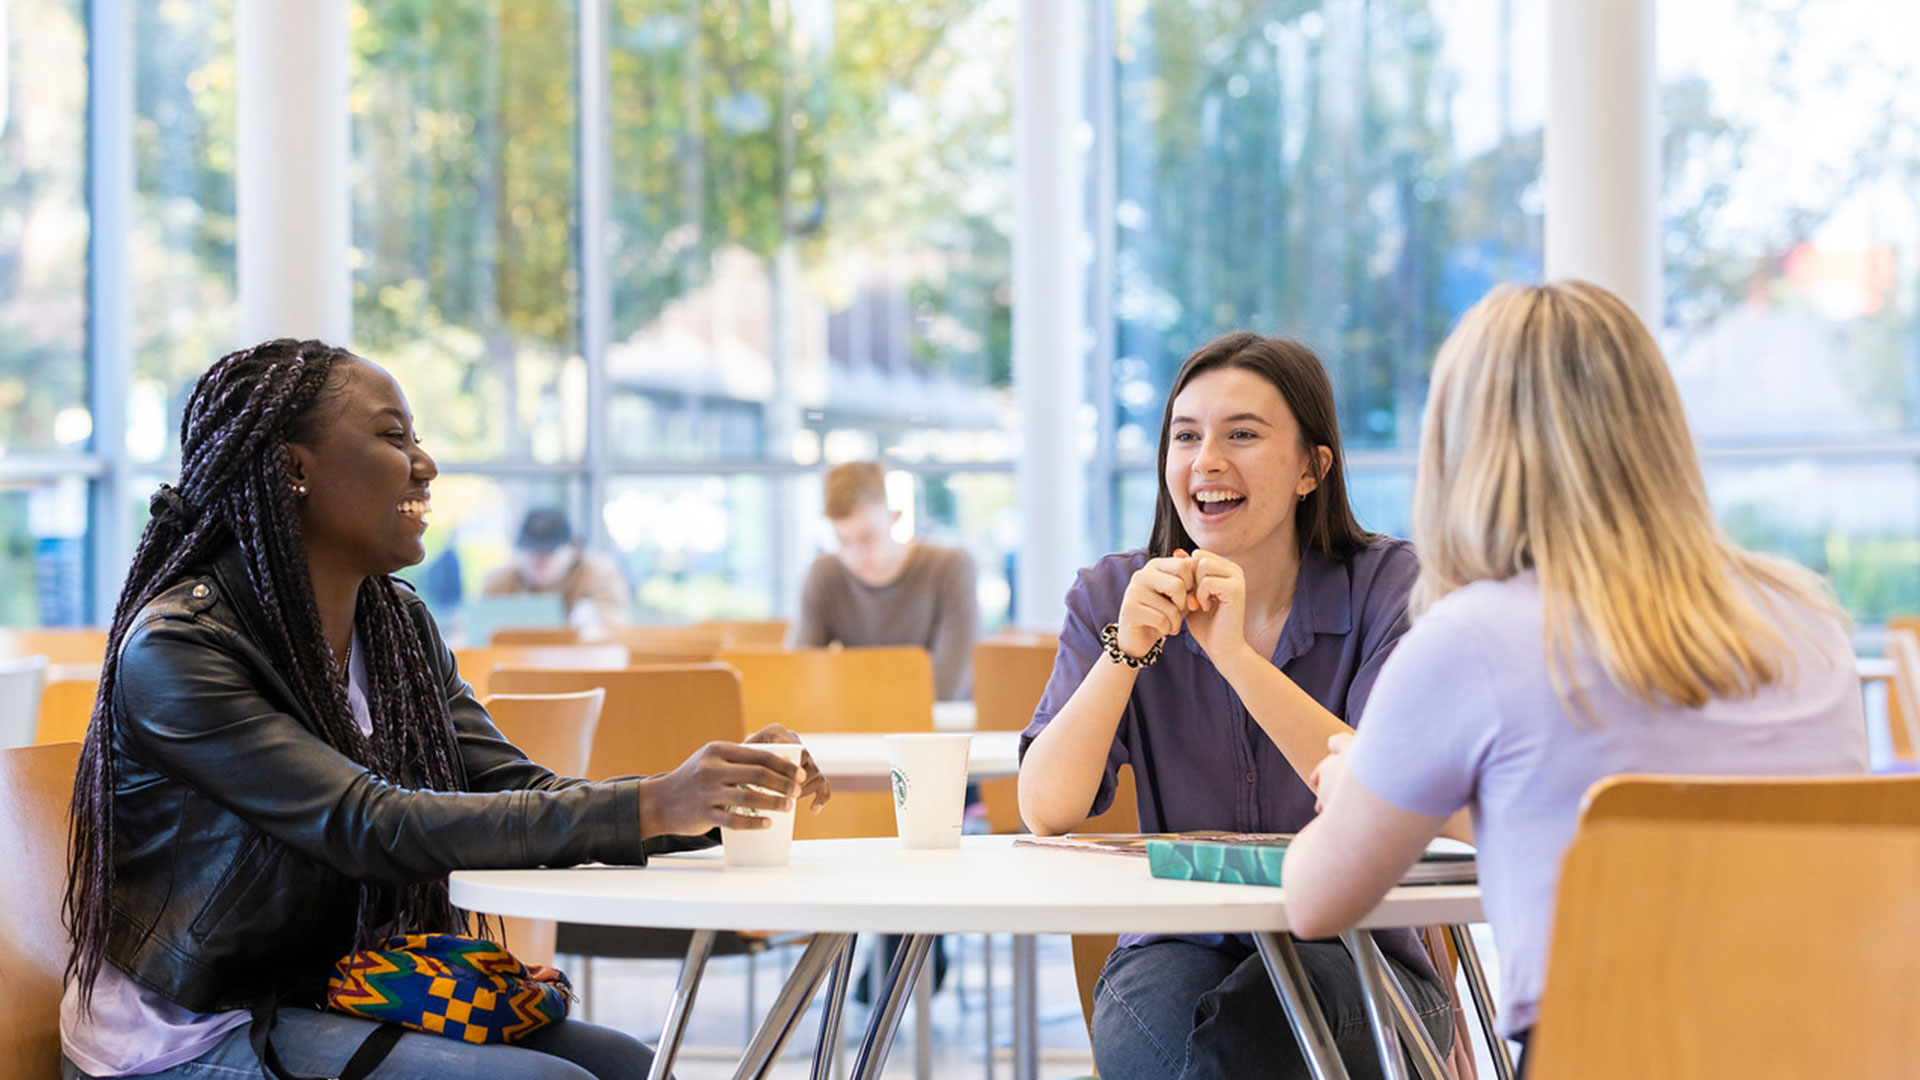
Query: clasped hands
{"type": "Point", "coordinates": [1202, 592]}
{"type": "Point", "coordinates": [722, 779]}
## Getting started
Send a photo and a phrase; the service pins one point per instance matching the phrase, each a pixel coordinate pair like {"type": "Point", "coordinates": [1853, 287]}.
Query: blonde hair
{"type": "Point", "coordinates": [852, 486]}
{"type": "Point", "coordinates": [1555, 442]}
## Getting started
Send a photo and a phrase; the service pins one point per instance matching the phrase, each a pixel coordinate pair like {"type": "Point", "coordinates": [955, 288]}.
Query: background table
{"type": "Point", "coordinates": [856, 762]}
{"type": "Point", "coordinates": [988, 885]}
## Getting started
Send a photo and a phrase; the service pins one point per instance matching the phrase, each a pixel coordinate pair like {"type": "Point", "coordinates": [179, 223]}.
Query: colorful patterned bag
{"type": "Point", "coordinates": [447, 984]}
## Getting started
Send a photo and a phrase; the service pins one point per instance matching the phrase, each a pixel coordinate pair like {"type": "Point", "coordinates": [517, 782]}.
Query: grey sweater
{"type": "Point", "coordinates": [931, 604]}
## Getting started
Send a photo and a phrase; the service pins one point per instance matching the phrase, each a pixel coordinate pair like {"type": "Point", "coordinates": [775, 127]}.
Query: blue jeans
{"type": "Point", "coordinates": [1177, 1009]}
{"type": "Point", "coordinates": [312, 1043]}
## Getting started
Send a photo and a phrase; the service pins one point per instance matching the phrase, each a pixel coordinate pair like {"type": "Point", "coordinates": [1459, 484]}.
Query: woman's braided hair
{"type": "Point", "coordinates": [236, 489]}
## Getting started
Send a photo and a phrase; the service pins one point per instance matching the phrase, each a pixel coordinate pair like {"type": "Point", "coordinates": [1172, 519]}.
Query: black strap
{"type": "Point", "coordinates": [366, 1058]}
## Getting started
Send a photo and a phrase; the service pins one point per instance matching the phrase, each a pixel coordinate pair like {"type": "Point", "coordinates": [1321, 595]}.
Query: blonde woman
{"type": "Point", "coordinates": [1579, 613]}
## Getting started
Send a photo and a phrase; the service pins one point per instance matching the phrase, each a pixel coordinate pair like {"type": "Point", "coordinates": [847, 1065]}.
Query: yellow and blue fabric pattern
{"type": "Point", "coordinates": [448, 984]}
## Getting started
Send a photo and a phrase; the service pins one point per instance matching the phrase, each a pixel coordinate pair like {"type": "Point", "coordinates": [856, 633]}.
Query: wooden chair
{"type": "Point", "coordinates": [535, 635]}
{"type": "Point", "coordinates": [66, 709]}
{"type": "Point", "coordinates": [654, 718]}
{"type": "Point", "coordinates": [1009, 675]}
{"type": "Point", "coordinates": [81, 645]}
{"type": "Point", "coordinates": [36, 784]}
{"type": "Point", "coordinates": [21, 683]}
{"type": "Point", "coordinates": [668, 644]}
{"type": "Point", "coordinates": [747, 631]}
{"type": "Point", "coordinates": [843, 690]}
{"type": "Point", "coordinates": [1711, 927]}
{"type": "Point", "coordinates": [1903, 693]}
{"type": "Point", "coordinates": [477, 664]}
{"type": "Point", "coordinates": [555, 730]}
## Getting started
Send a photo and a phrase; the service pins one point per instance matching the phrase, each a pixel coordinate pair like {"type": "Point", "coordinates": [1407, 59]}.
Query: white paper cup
{"type": "Point", "coordinates": [773, 845]}
{"type": "Point", "coordinates": [929, 787]}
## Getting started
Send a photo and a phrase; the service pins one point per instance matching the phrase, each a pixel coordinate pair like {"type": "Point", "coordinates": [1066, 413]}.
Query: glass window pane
{"type": "Point", "coordinates": [696, 547]}
{"type": "Point", "coordinates": [810, 214]}
{"type": "Point", "coordinates": [464, 162]}
{"type": "Point", "coordinates": [43, 226]}
{"type": "Point", "coordinates": [1351, 174]}
{"type": "Point", "coordinates": [183, 276]}
{"type": "Point", "coordinates": [1855, 522]}
{"type": "Point", "coordinates": [43, 552]}
{"type": "Point", "coordinates": [1791, 144]}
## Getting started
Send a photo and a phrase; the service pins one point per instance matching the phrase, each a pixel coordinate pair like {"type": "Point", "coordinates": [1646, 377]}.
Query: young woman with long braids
{"type": "Point", "coordinates": [1248, 630]}
{"type": "Point", "coordinates": [284, 764]}
{"type": "Point", "coordinates": [1580, 614]}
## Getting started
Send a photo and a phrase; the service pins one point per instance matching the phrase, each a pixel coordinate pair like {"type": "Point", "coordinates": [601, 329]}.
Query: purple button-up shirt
{"type": "Point", "coordinates": [1200, 761]}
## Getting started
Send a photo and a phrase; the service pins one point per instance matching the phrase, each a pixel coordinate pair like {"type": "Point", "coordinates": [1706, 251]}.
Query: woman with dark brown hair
{"type": "Point", "coordinates": [283, 763]}
{"type": "Point", "coordinates": [1217, 661]}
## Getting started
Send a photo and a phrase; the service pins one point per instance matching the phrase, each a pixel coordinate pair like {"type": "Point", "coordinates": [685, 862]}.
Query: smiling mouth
{"type": "Point", "coordinates": [418, 509]}
{"type": "Point", "coordinates": [1215, 503]}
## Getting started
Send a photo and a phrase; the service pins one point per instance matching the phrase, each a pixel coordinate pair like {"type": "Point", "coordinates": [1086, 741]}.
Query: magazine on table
{"type": "Point", "coordinates": [1245, 858]}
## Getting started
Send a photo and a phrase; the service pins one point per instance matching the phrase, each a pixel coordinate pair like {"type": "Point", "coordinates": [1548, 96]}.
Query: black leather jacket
{"type": "Point", "coordinates": [240, 836]}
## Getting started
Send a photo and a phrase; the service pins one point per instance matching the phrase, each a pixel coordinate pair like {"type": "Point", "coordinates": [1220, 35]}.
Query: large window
{"type": "Point", "coordinates": [1352, 174]}
{"type": "Point", "coordinates": [1792, 144]}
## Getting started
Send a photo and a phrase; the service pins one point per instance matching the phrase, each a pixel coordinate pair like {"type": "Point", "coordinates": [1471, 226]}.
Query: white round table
{"type": "Point", "coordinates": [836, 888]}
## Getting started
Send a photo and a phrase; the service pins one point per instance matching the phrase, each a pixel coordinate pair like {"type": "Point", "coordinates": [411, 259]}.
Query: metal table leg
{"type": "Point", "coordinates": [1482, 1000]}
{"type": "Point", "coordinates": [1026, 1007]}
{"type": "Point", "coordinates": [699, 948]}
{"type": "Point", "coordinates": [808, 973]}
{"type": "Point", "coordinates": [1387, 1001]}
{"type": "Point", "coordinates": [923, 1021]}
{"type": "Point", "coordinates": [1303, 1012]}
{"type": "Point", "coordinates": [888, 1004]}
{"type": "Point", "coordinates": [826, 1051]}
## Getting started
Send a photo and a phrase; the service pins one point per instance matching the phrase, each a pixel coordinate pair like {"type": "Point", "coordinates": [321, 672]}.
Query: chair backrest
{"type": "Point", "coordinates": [534, 635]}
{"type": "Point", "coordinates": [654, 718]}
{"type": "Point", "coordinates": [866, 690]}
{"type": "Point", "coordinates": [1903, 697]}
{"type": "Point", "coordinates": [747, 631]}
{"type": "Point", "coordinates": [477, 664]}
{"type": "Point", "coordinates": [1090, 951]}
{"type": "Point", "coordinates": [669, 644]}
{"type": "Point", "coordinates": [1695, 913]}
{"type": "Point", "coordinates": [20, 688]}
{"type": "Point", "coordinates": [36, 786]}
{"type": "Point", "coordinates": [66, 709]}
{"type": "Point", "coordinates": [84, 645]}
{"type": "Point", "coordinates": [555, 730]}
{"type": "Point", "coordinates": [1009, 675]}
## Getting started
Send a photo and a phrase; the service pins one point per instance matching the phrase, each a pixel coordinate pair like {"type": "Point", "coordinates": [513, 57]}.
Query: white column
{"type": "Point", "coordinates": [1049, 304]}
{"type": "Point", "coordinates": [110, 183]}
{"type": "Point", "coordinates": [1603, 149]}
{"type": "Point", "coordinates": [596, 284]}
{"type": "Point", "coordinates": [291, 184]}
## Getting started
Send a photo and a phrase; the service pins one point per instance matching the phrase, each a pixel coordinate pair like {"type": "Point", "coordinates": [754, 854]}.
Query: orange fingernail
{"type": "Point", "coordinates": [1193, 603]}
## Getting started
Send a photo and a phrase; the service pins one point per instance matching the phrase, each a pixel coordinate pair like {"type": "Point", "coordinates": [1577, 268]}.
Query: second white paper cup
{"type": "Point", "coordinates": [773, 845]}
{"type": "Point", "coordinates": [929, 787]}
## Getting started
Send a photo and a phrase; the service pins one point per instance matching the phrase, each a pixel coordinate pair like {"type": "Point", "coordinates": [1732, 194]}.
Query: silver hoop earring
{"type": "Point", "coordinates": [300, 490]}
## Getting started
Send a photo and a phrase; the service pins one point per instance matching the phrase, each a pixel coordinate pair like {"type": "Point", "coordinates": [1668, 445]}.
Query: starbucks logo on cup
{"type": "Point", "coordinates": [899, 789]}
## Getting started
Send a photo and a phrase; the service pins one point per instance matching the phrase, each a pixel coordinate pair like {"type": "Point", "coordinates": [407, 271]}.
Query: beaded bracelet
{"type": "Point", "coordinates": [1110, 637]}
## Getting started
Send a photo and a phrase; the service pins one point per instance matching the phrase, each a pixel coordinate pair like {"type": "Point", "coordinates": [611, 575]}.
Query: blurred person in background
{"type": "Point", "coordinates": [879, 590]}
{"type": "Point", "coordinates": [548, 559]}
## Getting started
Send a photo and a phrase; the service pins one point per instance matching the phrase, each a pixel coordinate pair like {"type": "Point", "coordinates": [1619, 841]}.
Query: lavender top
{"type": "Point", "coordinates": [1200, 761]}
{"type": "Point", "coordinates": [1465, 715]}
{"type": "Point", "coordinates": [131, 1030]}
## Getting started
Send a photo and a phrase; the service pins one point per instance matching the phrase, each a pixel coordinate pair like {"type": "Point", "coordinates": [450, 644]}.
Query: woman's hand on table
{"type": "Point", "coordinates": [719, 779]}
{"type": "Point", "coordinates": [812, 784]}
{"type": "Point", "coordinates": [1155, 603]}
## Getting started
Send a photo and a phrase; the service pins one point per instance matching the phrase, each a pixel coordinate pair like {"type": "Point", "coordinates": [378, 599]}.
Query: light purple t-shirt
{"type": "Point", "coordinates": [132, 1031]}
{"type": "Point", "coordinates": [1464, 714]}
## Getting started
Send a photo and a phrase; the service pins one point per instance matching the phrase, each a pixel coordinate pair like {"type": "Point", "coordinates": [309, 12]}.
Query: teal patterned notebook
{"type": "Point", "coordinates": [1257, 862]}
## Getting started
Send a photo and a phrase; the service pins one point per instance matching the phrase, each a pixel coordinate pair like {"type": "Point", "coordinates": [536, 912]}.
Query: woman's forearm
{"type": "Point", "coordinates": [1061, 772]}
{"type": "Point", "coordinates": [1297, 724]}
